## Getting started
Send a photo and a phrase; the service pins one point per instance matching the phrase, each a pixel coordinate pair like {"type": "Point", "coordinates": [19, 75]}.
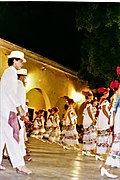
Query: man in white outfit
{"type": "Point", "coordinates": [9, 104]}
{"type": "Point", "coordinates": [22, 73]}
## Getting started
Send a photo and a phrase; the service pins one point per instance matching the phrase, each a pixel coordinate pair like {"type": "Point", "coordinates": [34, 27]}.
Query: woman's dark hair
{"type": "Point", "coordinates": [41, 111]}
{"type": "Point", "coordinates": [66, 106]}
{"type": "Point", "coordinates": [99, 95]}
{"type": "Point", "coordinates": [70, 101]}
{"type": "Point", "coordinates": [49, 110]}
{"type": "Point", "coordinates": [87, 94]}
{"type": "Point", "coordinates": [18, 75]}
{"type": "Point", "coordinates": [10, 61]}
{"type": "Point", "coordinates": [36, 112]}
{"type": "Point", "coordinates": [55, 109]}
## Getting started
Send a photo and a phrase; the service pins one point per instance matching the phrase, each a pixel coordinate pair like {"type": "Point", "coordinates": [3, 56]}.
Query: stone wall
{"type": "Point", "coordinates": [47, 82]}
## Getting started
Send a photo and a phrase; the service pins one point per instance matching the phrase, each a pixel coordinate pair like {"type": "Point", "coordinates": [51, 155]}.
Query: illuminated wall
{"type": "Point", "coordinates": [47, 82]}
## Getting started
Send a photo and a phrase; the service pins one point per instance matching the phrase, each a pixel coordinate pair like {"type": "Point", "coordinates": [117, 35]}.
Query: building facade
{"type": "Point", "coordinates": [47, 82]}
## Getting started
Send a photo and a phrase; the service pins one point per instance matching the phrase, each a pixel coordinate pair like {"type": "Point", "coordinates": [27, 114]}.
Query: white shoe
{"type": "Point", "coordinates": [23, 170]}
{"type": "Point", "coordinates": [42, 140]}
{"type": "Point", "coordinates": [2, 167]}
{"type": "Point", "coordinates": [99, 158]}
{"type": "Point", "coordinates": [65, 147]}
{"type": "Point", "coordinates": [59, 144]}
{"type": "Point", "coordinates": [105, 172]}
{"type": "Point", "coordinates": [49, 142]}
{"type": "Point", "coordinates": [89, 154]}
{"type": "Point", "coordinates": [84, 153]}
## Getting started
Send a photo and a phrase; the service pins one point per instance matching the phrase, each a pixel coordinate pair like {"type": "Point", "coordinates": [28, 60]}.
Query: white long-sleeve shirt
{"type": "Point", "coordinates": [22, 94]}
{"type": "Point", "coordinates": [9, 89]}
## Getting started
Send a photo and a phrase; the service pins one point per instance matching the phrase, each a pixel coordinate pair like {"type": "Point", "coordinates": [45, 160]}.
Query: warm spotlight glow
{"type": "Point", "coordinates": [28, 82]}
{"type": "Point", "coordinates": [78, 97]}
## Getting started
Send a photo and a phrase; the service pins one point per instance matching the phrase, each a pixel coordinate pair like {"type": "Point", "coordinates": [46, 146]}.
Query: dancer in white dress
{"type": "Point", "coordinates": [64, 127]}
{"type": "Point", "coordinates": [104, 135]}
{"type": "Point", "coordinates": [71, 134]}
{"type": "Point", "coordinates": [49, 124]}
{"type": "Point", "coordinates": [89, 134]}
{"type": "Point", "coordinates": [55, 133]}
{"type": "Point", "coordinates": [113, 158]}
{"type": "Point", "coordinates": [35, 131]}
{"type": "Point", "coordinates": [41, 124]}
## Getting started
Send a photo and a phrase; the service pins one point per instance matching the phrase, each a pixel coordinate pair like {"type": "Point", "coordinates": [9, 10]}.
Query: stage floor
{"type": "Point", "coordinates": [52, 162]}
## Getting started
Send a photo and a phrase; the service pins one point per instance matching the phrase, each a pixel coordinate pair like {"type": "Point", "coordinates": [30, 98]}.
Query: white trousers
{"type": "Point", "coordinates": [6, 137]}
{"type": "Point", "coordinates": [22, 137]}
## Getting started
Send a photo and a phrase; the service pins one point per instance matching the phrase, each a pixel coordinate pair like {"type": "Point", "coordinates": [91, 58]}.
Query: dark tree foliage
{"type": "Point", "coordinates": [99, 24]}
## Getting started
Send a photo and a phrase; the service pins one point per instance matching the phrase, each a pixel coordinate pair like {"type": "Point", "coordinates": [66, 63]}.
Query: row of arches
{"type": "Point", "coordinates": [38, 99]}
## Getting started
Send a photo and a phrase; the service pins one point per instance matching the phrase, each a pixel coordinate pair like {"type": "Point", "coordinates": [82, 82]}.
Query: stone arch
{"type": "Point", "coordinates": [37, 99]}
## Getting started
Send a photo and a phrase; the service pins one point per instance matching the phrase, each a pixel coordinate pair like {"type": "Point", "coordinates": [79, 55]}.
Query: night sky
{"type": "Point", "coordinates": [46, 28]}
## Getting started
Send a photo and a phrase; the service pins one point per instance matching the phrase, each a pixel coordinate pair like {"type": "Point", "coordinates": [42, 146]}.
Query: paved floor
{"type": "Point", "coordinates": [52, 162]}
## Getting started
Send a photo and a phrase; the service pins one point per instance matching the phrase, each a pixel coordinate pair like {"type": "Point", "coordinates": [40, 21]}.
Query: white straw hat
{"type": "Point", "coordinates": [17, 54]}
{"type": "Point", "coordinates": [22, 72]}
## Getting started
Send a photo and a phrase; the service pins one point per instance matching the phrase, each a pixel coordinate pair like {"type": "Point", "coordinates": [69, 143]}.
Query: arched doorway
{"type": "Point", "coordinates": [37, 99]}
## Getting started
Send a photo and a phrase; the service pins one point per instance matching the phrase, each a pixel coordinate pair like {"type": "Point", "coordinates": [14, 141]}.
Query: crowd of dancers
{"type": "Point", "coordinates": [101, 122]}
{"type": "Point", "coordinates": [101, 127]}
{"type": "Point", "coordinates": [62, 132]}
